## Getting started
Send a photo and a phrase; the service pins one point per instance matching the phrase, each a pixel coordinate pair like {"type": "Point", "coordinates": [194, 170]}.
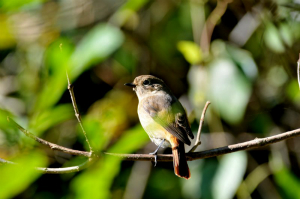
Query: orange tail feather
{"type": "Point", "coordinates": [181, 167]}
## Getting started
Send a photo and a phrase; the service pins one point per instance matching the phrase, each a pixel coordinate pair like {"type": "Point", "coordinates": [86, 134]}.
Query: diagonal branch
{"type": "Point", "coordinates": [211, 22]}
{"type": "Point", "coordinates": [70, 88]}
{"type": "Point", "coordinates": [50, 144]}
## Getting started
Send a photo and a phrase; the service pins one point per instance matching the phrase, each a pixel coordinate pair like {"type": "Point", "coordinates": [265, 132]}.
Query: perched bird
{"type": "Point", "coordinates": [164, 119]}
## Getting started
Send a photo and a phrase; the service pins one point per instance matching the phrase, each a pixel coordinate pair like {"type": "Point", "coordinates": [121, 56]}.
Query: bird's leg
{"type": "Point", "coordinates": [155, 152]}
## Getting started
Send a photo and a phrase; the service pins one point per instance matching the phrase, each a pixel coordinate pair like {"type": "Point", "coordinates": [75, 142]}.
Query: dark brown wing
{"type": "Point", "coordinates": [182, 122]}
{"type": "Point", "coordinates": [167, 113]}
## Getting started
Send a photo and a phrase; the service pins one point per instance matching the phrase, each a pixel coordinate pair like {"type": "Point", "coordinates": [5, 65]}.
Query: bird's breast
{"type": "Point", "coordinates": [155, 131]}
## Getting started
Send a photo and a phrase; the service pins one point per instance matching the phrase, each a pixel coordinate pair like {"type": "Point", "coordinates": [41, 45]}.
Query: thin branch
{"type": "Point", "coordinates": [63, 170]}
{"type": "Point", "coordinates": [49, 144]}
{"type": "Point", "coordinates": [198, 141]}
{"type": "Point", "coordinates": [70, 88]}
{"type": "Point", "coordinates": [2, 161]}
{"type": "Point", "coordinates": [211, 22]}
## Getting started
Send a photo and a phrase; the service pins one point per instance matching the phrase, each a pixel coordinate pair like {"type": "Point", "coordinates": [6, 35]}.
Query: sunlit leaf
{"type": "Point", "coordinates": [96, 46]}
{"type": "Point", "coordinates": [292, 91]}
{"type": "Point", "coordinates": [51, 117]}
{"type": "Point", "coordinates": [229, 175]}
{"type": "Point", "coordinates": [15, 4]}
{"type": "Point", "coordinates": [4, 124]}
{"type": "Point", "coordinates": [199, 84]}
{"type": "Point", "coordinates": [191, 51]}
{"type": "Point", "coordinates": [108, 118]}
{"type": "Point", "coordinates": [244, 59]}
{"type": "Point", "coordinates": [288, 183]}
{"type": "Point", "coordinates": [57, 62]}
{"type": "Point", "coordinates": [286, 34]}
{"type": "Point", "coordinates": [229, 90]}
{"type": "Point", "coordinates": [16, 178]}
{"type": "Point", "coordinates": [127, 11]}
{"type": "Point", "coordinates": [272, 39]}
{"type": "Point", "coordinates": [7, 39]}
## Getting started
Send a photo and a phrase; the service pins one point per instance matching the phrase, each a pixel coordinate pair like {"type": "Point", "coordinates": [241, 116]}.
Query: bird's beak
{"type": "Point", "coordinates": [130, 84]}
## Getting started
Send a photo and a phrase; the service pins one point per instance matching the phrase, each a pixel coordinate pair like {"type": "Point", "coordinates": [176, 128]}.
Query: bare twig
{"type": "Point", "coordinates": [198, 141]}
{"type": "Point", "coordinates": [54, 170]}
{"type": "Point", "coordinates": [2, 161]}
{"type": "Point", "coordinates": [70, 88]}
{"type": "Point", "coordinates": [49, 144]}
{"type": "Point", "coordinates": [64, 169]}
{"type": "Point", "coordinates": [211, 22]}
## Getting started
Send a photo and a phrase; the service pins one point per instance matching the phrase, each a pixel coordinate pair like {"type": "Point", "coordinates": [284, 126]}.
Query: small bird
{"type": "Point", "coordinates": [164, 119]}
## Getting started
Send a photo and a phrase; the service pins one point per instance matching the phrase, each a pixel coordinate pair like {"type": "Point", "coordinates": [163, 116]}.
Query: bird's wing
{"type": "Point", "coordinates": [169, 116]}
{"type": "Point", "coordinates": [181, 119]}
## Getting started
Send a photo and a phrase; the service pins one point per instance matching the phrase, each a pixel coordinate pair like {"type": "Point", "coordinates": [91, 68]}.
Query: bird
{"type": "Point", "coordinates": [164, 119]}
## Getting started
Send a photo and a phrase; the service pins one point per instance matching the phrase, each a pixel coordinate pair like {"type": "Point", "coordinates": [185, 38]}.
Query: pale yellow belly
{"type": "Point", "coordinates": [155, 131]}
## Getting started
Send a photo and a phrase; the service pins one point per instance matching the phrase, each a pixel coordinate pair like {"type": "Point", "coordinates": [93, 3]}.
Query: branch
{"type": "Point", "coordinates": [198, 142]}
{"type": "Point", "coordinates": [256, 143]}
{"type": "Point", "coordinates": [54, 170]}
{"type": "Point", "coordinates": [65, 169]}
{"type": "Point", "coordinates": [70, 88]}
{"type": "Point", "coordinates": [211, 22]}
{"type": "Point", "coordinates": [50, 144]}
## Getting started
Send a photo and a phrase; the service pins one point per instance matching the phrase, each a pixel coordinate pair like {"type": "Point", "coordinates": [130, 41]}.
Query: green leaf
{"type": "Point", "coordinates": [96, 182]}
{"type": "Point", "coordinates": [57, 62]}
{"type": "Point", "coordinates": [272, 39]}
{"type": "Point", "coordinates": [16, 178]}
{"type": "Point", "coordinates": [288, 183]}
{"type": "Point", "coordinates": [127, 11]}
{"type": "Point", "coordinates": [229, 175]}
{"type": "Point", "coordinates": [96, 46]}
{"type": "Point", "coordinates": [292, 91]}
{"type": "Point", "coordinates": [191, 51]}
{"type": "Point", "coordinates": [286, 34]}
{"type": "Point", "coordinates": [107, 118]}
{"type": "Point", "coordinates": [16, 4]}
{"type": "Point", "coordinates": [229, 90]}
{"type": "Point", "coordinates": [51, 117]}
{"type": "Point", "coordinates": [244, 59]}
{"type": "Point", "coordinates": [135, 136]}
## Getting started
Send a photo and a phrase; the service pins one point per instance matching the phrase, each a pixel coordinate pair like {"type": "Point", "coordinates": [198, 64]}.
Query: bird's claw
{"type": "Point", "coordinates": [155, 158]}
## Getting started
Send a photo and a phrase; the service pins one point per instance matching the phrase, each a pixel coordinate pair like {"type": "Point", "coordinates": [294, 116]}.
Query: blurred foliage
{"type": "Point", "coordinates": [16, 178]}
{"type": "Point", "coordinates": [247, 70]}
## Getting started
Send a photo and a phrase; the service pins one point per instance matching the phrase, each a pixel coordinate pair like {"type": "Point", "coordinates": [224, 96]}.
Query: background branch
{"type": "Point", "coordinates": [211, 22]}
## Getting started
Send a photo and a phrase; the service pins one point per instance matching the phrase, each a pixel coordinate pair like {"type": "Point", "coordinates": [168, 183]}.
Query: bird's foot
{"type": "Point", "coordinates": [155, 157]}
{"type": "Point", "coordinates": [155, 152]}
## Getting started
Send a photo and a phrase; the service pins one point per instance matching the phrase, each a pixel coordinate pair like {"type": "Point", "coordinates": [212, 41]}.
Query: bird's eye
{"type": "Point", "coordinates": [146, 82]}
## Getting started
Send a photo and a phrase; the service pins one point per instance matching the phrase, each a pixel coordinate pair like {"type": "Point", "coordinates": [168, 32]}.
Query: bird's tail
{"type": "Point", "coordinates": [181, 167]}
